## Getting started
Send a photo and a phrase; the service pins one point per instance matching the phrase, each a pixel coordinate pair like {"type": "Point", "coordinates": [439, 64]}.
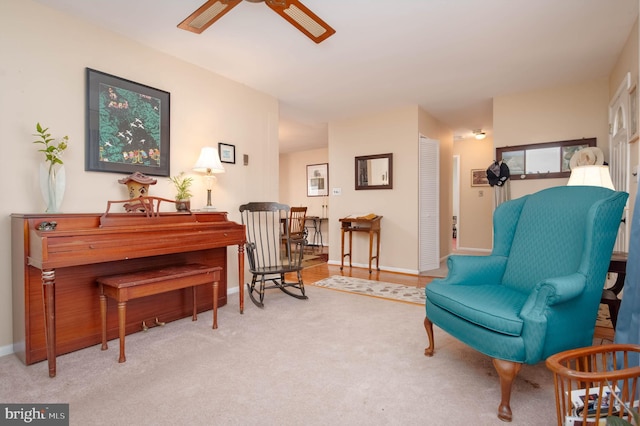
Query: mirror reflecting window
{"type": "Point", "coordinates": [374, 171]}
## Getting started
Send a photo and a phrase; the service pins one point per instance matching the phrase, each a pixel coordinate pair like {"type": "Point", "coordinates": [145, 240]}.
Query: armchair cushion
{"type": "Point", "coordinates": [495, 307]}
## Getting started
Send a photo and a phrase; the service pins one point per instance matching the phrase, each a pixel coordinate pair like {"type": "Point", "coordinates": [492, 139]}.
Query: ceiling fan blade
{"type": "Point", "coordinates": [302, 18]}
{"type": "Point", "coordinates": [207, 14]}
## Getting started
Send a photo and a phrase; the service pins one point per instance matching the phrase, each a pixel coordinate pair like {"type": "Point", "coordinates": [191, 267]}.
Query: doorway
{"type": "Point", "coordinates": [429, 204]}
{"type": "Point", "coordinates": [619, 154]}
{"type": "Point", "coordinates": [455, 229]}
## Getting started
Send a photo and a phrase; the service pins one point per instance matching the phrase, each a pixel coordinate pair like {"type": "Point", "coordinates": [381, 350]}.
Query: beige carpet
{"type": "Point", "coordinates": [332, 359]}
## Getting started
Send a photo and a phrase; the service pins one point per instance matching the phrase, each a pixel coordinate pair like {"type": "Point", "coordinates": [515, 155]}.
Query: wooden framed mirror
{"type": "Point", "coordinates": [374, 171]}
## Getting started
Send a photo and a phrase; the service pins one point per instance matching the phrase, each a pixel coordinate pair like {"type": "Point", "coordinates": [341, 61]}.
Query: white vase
{"type": "Point", "coordinates": [52, 185]}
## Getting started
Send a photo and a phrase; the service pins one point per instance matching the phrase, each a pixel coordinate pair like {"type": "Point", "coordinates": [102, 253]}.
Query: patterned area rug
{"type": "Point", "coordinates": [407, 294]}
{"type": "Point", "coordinates": [379, 289]}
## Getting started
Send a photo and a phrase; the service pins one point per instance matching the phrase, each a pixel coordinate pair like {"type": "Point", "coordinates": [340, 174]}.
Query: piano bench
{"type": "Point", "coordinates": [125, 287]}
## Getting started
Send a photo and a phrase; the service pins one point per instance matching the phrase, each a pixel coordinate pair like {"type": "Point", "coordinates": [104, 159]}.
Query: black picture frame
{"type": "Point", "coordinates": [127, 126]}
{"type": "Point", "coordinates": [318, 180]}
{"type": "Point", "coordinates": [374, 171]}
{"type": "Point", "coordinates": [227, 153]}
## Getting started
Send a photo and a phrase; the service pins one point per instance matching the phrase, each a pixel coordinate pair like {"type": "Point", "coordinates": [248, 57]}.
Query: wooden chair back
{"type": "Point", "coordinates": [297, 218]}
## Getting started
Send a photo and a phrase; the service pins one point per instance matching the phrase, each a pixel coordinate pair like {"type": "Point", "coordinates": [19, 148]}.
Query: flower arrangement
{"type": "Point", "coordinates": [52, 150]}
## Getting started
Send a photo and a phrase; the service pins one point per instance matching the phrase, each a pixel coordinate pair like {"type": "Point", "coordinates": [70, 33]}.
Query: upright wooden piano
{"type": "Point", "coordinates": [55, 296]}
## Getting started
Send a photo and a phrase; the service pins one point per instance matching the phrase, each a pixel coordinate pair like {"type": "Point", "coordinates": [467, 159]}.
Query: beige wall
{"type": "Point", "coordinates": [554, 114]}
{"type": "Point", "coordinates": [293, 179]}
{"type": "Point", "coordinates": [293, 184]}
{"type": "Point", "coordinates": [476, 202]}
{"type": "Point", "coordinates": [43, 79]}
{"type": "Point", "coordinates": [396, 132]}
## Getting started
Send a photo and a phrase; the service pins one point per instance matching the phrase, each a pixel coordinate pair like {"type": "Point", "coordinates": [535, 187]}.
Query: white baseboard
{"type": "Point", "coordinates": [6, 350]}
{"type": "Point", "coordinates": [382, 268]}
{"type": "Point", "coordinates": [471, 249]}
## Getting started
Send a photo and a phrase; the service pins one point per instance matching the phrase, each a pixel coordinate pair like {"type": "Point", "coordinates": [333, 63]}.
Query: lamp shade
{"type": "Point", "coordinates": [209, 161]}
{"type": "Point", "coordinates": [592, 175]}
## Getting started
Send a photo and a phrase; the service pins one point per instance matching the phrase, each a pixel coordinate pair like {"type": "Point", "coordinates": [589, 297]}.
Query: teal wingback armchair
{"type": "Point", "coordinates": [538, 291]}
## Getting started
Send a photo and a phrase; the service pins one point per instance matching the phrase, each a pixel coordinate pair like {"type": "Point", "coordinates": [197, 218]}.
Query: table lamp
{"type": "Point", "coordinates": [208, 163]}
{"type": "Point", "coordinates": [591, 175]}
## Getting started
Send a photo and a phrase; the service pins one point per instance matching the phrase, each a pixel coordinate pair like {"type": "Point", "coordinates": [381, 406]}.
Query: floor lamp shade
{"type": "Point", "coordinates": [593, 175]}
{"type": "Point", "coordinates": [208, 163]}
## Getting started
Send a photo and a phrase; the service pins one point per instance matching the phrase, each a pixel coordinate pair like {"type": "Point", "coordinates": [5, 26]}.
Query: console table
{"type": "Point", "coordinates": [316, 223]}
{"type": "Point", "coordinates": [370, 225]}
{"type": "Point", "coordinates": [54, 269]}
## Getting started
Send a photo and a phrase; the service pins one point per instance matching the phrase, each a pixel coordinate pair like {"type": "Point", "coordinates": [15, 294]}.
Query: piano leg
{"type": "Point", "coordinates": [241, 276]}
{"type": "Point", "coordinates": [122, 322]}
{"type": "Point", "coordinates": [103, 319]}
{"type": "Point", "coordinates": [49, 302]}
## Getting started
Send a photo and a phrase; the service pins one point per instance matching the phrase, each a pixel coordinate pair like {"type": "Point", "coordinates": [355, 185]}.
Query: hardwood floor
{"type": "Point", "coordinates": [324, 270]}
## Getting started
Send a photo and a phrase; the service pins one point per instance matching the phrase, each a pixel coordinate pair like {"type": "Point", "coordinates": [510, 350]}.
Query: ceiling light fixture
{"type": "Point", "coordinates": [479, 134]}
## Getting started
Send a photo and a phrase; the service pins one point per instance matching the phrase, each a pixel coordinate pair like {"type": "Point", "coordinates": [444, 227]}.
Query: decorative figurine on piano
{"type": "Point", "coordinates": [137, 186]}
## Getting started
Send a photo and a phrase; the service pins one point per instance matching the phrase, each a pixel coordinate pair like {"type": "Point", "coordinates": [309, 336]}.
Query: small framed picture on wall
{"type": "Point", "coordinates": [227, 153]}
{"type": "Point", "coordinates": [479, 177]}
{"type": "Point", "coordinates": [318, 180]}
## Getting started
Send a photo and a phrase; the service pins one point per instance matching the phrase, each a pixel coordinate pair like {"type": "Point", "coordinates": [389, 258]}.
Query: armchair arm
{"type": "Point", "coordinates": [553, 291]}
{"type": "Point", "coordinates": [534, 313]}
{"type": "Point", "coordinates": [472, 270]}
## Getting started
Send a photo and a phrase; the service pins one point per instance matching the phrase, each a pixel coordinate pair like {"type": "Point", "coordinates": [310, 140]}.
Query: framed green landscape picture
{"type": "Point", "coordinates": [127, 126]}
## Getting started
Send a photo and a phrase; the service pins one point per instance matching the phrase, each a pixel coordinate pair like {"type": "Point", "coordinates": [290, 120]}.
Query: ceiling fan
{"type": "Point", "coordinates": [291, 10]}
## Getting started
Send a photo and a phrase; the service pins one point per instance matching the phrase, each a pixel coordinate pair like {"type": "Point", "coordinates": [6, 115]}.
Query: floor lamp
{"type": "Point", "coordinates": [208, 163]}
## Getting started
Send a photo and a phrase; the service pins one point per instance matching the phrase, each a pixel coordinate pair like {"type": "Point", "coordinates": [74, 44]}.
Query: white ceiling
{"type": "Point", "coordinates": [451, 57]}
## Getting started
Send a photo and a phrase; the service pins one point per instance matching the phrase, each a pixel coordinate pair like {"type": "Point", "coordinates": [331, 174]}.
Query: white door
{"type": "Point", "coordinates": [619, 164]}
{"type": "Point", "coordinates": [429, 204]}
{"type": "Point", "coordinates": [455, 183]}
